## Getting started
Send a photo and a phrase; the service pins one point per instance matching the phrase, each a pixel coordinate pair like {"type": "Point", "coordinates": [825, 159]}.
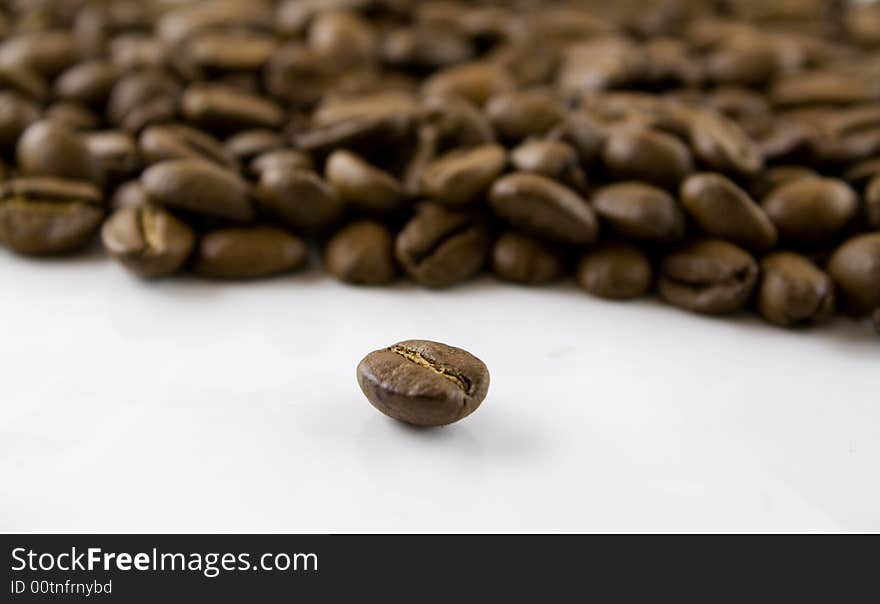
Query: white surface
{"type": "Point", "coordinates": [185, 406]}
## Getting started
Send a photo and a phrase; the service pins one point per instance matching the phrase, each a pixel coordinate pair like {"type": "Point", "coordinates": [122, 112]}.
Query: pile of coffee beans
{"type": "Point", "coordinates": [724, 154]}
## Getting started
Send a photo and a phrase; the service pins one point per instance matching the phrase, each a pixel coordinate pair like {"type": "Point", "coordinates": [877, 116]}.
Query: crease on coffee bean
{"type": "Point", "coordinates": [420, 257]}
{"type": "Point", "coordinates": [420, 359]}
{"type": "Point", "coordinates": [149, 230]}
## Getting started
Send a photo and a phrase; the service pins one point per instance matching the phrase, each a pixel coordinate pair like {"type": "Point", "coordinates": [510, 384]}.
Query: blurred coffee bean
{"type": "Point", "coordinates": [708, 276]}
{"type": "Point", "coordinates": [248, 253]}
{"type": "Point", "coordinates": [461, 176]}
{"type": "Point", "coordinates": [46, 148]}
{"type": "Point", "coordinates": [342, 38]}
{"type": "Point", "coordinates": [143, 98]}
{"type": "Point", "coordinates": [46, 52]}
{"type": "Point", "coordinates": [24, 81]}
{"type": "Point", "coordinates": [777, 176]}
{"type": "Point", "coordinates": [115, 152]}
{"type": "Point", "coordinates": [230, 51]}
{"type": "Point", "coordinates": [130, 194]}
{"type": "Point", "coordinates": [195, 185]}
{"type": "Point", "coordinates": [425, 49]}
{"type": "Point", "coordinates": [794, 291]}
{"type": "Point", "coordinates": [616, 271]}
{"type": "Point", "coordinates": [517, 115]}
{"type": "Point", "coordinates": [47, 215]}
{"type": "Point", "coordinates": [811, 211]}
{"type": "Point", "coordinates": [723, 210]}
{"type": "Point", "coordinates": [647, 155]}
{"type": "Point", "coordinates": [519, 258]}
{"type": "Point", "coordinates": [16, 114]}
{"type": "Point", "coordinates": [722, 145]}
{"type": "Point", "coordinates": [228, 110]}
{"type": "Point", "coordinates": [88, 82]}
{"type": "Point", "coordinates": [248, 144]}
{"type": "Point", "coordinates": [551, 158]}
{"type": "Point", "coordinates": [361, 253]}
{"type": "Point", "coordinates": [872, 203]}
{"type": "Point", "coordinates": [545, 208]}
{"type": "Point", "coordinates": [476, 81]}
{"type": "Point", "coordinates": [855, 269]}
{"type": "Point", "coordinates": [179, 141]}
{"type": "Point", "coordinates": [283, 160]}
{"type": "Point", "coordinates": [362, 185]}
{"type": "Point", "coordinates": [299, 198]}
{"type": "Point", "coordinates": [640, 211]}
{"type": "Point", "coordinates": [440, 247]}
{"type": "Point", "coordinates": [148, 241]}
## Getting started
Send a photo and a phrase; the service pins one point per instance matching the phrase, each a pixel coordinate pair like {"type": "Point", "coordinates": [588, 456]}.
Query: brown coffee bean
{"type": "Point", "coordinates": [300, 198]}
{"type": "Point", "coordinates": [423, 383]}
{"type": "Point", "coordinates": [545, 208]}
{"type": "Point", "coordinates": [148, 241]}
{"type": "Point", "coordinates": [516, 115]}
{"type": "Point", "coordinates": [248, 144]}
{"type": "Point", "coordinates": [422, 48]}
{"type": "Point", "coordinates": [16, 114]}
{"type": "Point", "coordinates": [47, 148]}
{"type": "Point", "coordinates": [198, 186]}
{"type": "Point", "coordinates": [143, 98]}
{"type": "Point", "coordinates": [820, 87]}
{"type": "Point", "coordinates": [601, 64]}
{"type": "Point", "coordinates": [794, 291]}
{"type": "Point", "coordinates": [130, 194]}
{"type": "Point", "coordinates": [248, 253]}
{"type": "Point", "coordinates": [647, 155]}
{"type": "Point", "coordinates": [777, 176]}
{"type": "Point", "coordinates": [363, 135]}
{"type": "Point", "coordinates": [616, 271]}
{"type": "Point", "coordinates": [115, 152]}
{"type": "Point", "coordinates": [230, 51]}
{"type": "Point", "coordinates": [285, 160]}
{"type": "Point", "coordinates": [363, 185]}
{"type": "Point", "coordinates": [709, 276]}
{"type": "Point", "coordinates": [457, 122]}
{"type": "Point", "coordinates": [522, 259]}
{"type": "Point", "coordinates": [342, 38]}
{"type": "Point", "coordinates": [872, 203]}
{"type": "Point", "coordinates": [855, 269]}
{"type": "Point", "coordinates": [462, 176]}
{"type": "Point", "coordinates": [640, 211]}
{"type": "Point", "coordinates": [811, 211]}
{"type": "Point", "coordinates": [361, 253]}
{"type": "Point", "coordinates": [440, 247]}
{"type": "Point", "coordinates": [554, 159]}
{"type": "Point", "coordinates": [723, 210]}
{"type": "Point", "coordinates": [178, 141]}
{"type": "Point", "coordinates": [722, 145]}
{"type": "Point", "coordinates": [44, 216]}
{"type": "Point", "coordinates": [47, 52]}
{"type": "Point", "coordinates": [20, 79]}
{"type": "Point", "coordinates": [226, 109]}
{"type": "Point", "coordinates": [475, 81]}
{"type": "Point", "coordinates": [186, 20]}
{"type": "Point", "coordinates": [743, 61]}
{"type": "Point", "coordinates": [89, 82]}
{"type": "Point", "coordinates": [72, 116]}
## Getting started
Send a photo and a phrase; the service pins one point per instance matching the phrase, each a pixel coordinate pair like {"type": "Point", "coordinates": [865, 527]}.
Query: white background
{"type": "Point", "coordinates": [192, 406]}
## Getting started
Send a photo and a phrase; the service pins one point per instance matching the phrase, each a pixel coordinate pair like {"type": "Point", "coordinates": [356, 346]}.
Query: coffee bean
{"type": "Point", "coordinates": [722, 145]}
{"type": "Point", "coordinates": [89, 82]}
{"type": "Point", "coordinates": [16, 114]}
{"type": "Point", "coordinates": [364, 135]}
{"type": "Point", "coordinates": [424, 49]}
{"type": "Point", "coordinates": [709, 276]}
{"type": "Point", "coordinates": [872, 203]}
{"type": "Point", "coordinates": [47, 148]}
{"type": "Point", "coordinates": [363, 185]}
{"type": "Point", "coordinates": [522, 259]}
{"type": "Point", "coordinates": [47, 52]}
{"type": "Point", "coordinates": [647, 155]}
{"type": "Point", "coordinates": [45, 216]}
{"type": "Point", "coordinates": [554, 159]}
{"type": "Point", "coordinates": [342, 38]}
{"type": "Point", "coordinates": [115, 153]}
{"type": "Point", "coordinates": [72, 116]}
{"type": "Point", "coordinates": [811, 211]}
{"type": "Point", "coordinates": [284, 160]}
{"type": "Point", "coordinates": [130, 194]}
{"type": "Point", "coordinates": [186, 20]}
{"type": "Point", "coordinates": [723, 210]}
{"type": "Point", "coordinates": [457, 121]}
{"type": "Point", "coordinates": [248, 253]}
{"type": "Point", "coordinates": [794, 291]}
{"type": "Point", "coordinates": [545, 208]}
{"type": "Point", "coordinates": [855, 269]}
{"type": "Point", "coordinates": [423, 383]}
{"type": "Point", "coordinates": [516, 115]}
{"type": "Point", "coordinates": [300, 198]}
{"type": "Point", "coordinates": [230, 51]}
{"type": "Point", "coordinates": [143, 98]}
{"type": "Point", "coordinates": [226, 109]}
{"type": "Point", "coordinates": [198, 186]}
{"type": "Point", "coordinates": [820, 87]}
{"type": "Point", "coordinates": [248, 144]}
{"type": "Point", "coordinates": [361, 253]}
{"type": "Point", "coordinates": [616, 271]}
{"type": "Point", "coordinates": [440, 247]}
{"type": "Point", "coordinates": [475, 81]}
{"type": "Point", "coordinates": [179, 141]}
{"type": "Point", "coordinates": [640, 211]}
{"type": "Point", "coordinates": [148, 241]}
{"type": "Point", "coordinates": [460, 177]}
{"type": "Point", "coordinates": [23, 81]}
{"type": "Point", "coordinates": [777, 176]}
{"type": "Point", "coordinates": [749, 60]}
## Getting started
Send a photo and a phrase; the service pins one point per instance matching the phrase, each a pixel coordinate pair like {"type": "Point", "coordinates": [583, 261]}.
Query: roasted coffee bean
{"type": "Point", "coordinates": [130, 194]}
{"type": "Point", "coordinates": [794, 291]}
{"type": "Point", "coordinates": [363, 185]}
{"type": "Point", "coordinates": [820, 87]}
{"type": "Point", "coordinates": [115, 152]}
{"type": "Point", "coordinates": [777, 176]}
{"type": "Point", "coordinates": [640, 211]}
{"type": "Point", "coordinates": [457, 122]}
{"type": "Point", "coordinates": [616, 271]}
{"type": "Point", "coordinates": [522, 259]}
{"type": "Point", "coordinates": [877, 319]}
{"type": "Point", "coordinates": [811, 211]}
{"type": "Point", "coordinates": [723, 210]}
{"type": "Point", "coordinates": [198, 186]}
{"type": "Point", "coordinates": [518, 115]}
{"type": "Point", "coordinates": [43, 216]}
{"type": "Point", "coordinates": [148, 241]}
{"type": "Point", "coordinates": [16, 114]}
{"type": "Point", "coordinates": [47, 148]}
{"type": "Point", "coordinates": [230, 51]}
{"type": "Point", "coordinates": [423, 383]}
{"type": "Point", "coordinates": [342, 38]}
{"type": "Point", "coordinates": [226, 109]}
{"type": "Point", "coordinates": [46, 52]}
{"type": "Point", "coordinates": [284, 160]}
{"type": "Point", "coordinates": [423, 48]}
{"type": "Point", "coordinates": [89, 82]}
{"type": "Point", "coordinates": [248, 253]}
{"type": "Point", "coordinates": [647, 155]}
{"type": "Point", "coordinates": [299, 198]}
{"type": "Point", "coordinates": [722, 145]}
{"type": "Point", "coordinates": [872, 203]}
{"type": "Point", "coordinates": [178, 141]}
{"type": "Point", "coordinates": [21, 80]}
{"type": "Point", "coordinates": [475, 81]}
{"type": "Point", "coordinates": [709, 276]}
{"type": "Point", "coordinates": [855, 269]}
{"type": "Point", "coordinates": [544, 208]}
{"type": "Point", "coordinates": [361, 253]}
{"type": "Point", "coordinates": [72, 116]}
{"type": "Point", "coordinates": [364, 135]}
{"type": "Point", "coordinates": [248, 144]}
{"type": "Point", "coordinates": [551, 158]}
{"type": "Point", "coordinates": [440, 247]}
{"type": "Point", "coordinates": [143, 98]}
{"type": "Point", "coordinates": [584, 133]}
{"type": "Point", "coordinates": [188, 19]}
{"type": "Point", "coordinates": [462, 176]}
